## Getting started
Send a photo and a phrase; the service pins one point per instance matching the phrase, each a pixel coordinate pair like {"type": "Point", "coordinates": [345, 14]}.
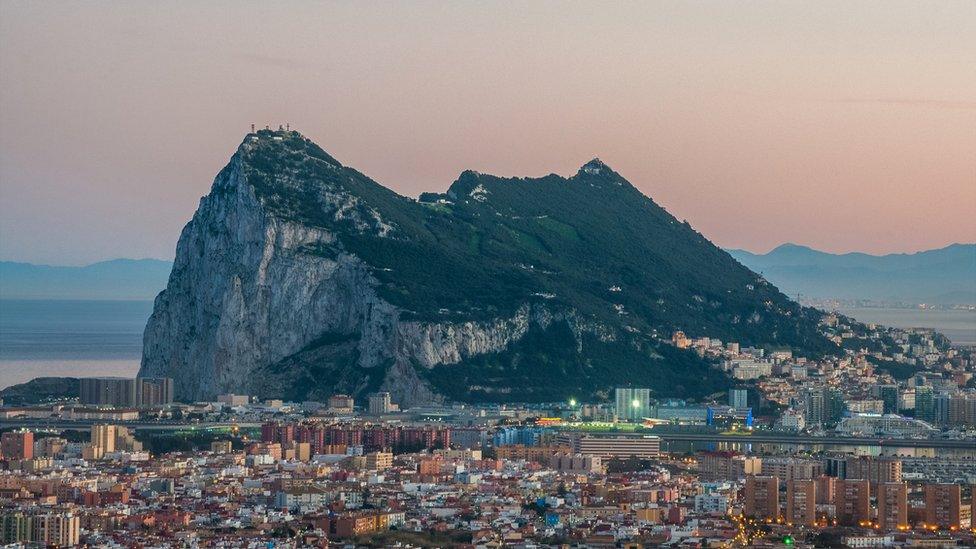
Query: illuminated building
{"type": "Point", "coordinates": [613, 446]}
{"type": "Point", "coordinates": [801, 502]}
{"type": "Point", "coordinates": [852, 502]}
{"type": "Point", "coordinates": [633, 404]}
{"type": "Point", "coordinates": [761, 499]}
{"type": "Point", "coordinates": [892, 506]}
{"type": "Point", "coordinates": [944, 508]}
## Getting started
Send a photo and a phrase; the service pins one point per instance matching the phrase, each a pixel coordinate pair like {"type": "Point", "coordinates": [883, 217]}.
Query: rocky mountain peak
{"type": "Point", "coordinates": [594, 167]}
{"type": "Point", "coordinates": [299, 277]}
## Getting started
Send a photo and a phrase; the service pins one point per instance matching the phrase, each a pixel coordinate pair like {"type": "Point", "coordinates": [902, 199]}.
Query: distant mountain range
{"type": "Point", "coordinates": [115, 279]}
{"type": "Point", "coordinates": [946, 276]}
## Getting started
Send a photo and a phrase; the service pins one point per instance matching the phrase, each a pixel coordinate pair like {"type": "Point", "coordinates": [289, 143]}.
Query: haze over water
{"type": "Point", "coordinates": [70, 338]}
{"type": "Point", "coordinates": [958, 325]}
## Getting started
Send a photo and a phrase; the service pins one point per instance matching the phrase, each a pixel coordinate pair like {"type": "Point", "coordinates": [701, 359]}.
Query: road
{"type": "Point", "coordinates": [774, 438]}
{"type": "Point", "coordinates": [754, 438]}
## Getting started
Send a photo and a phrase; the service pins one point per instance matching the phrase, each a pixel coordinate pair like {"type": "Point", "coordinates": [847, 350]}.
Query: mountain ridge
{"type": "Point", "coordinates": [919, 277]}
{"type": "Point", "coordinates": [111, 279]}
{"type": "Point", "coordinates": [299, 277]}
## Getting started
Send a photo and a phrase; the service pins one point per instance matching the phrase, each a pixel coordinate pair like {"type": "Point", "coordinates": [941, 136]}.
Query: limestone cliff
{"type": "Point", "coordinates": [300, 277]}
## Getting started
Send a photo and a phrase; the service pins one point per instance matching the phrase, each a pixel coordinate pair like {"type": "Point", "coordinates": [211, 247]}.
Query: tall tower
{"type": "Point", "coordinates": [801, 502]}
{"type": "Point", "coordinates": [892, 506]}
{"type": "Point", "coordinates": [103, 436]}
{"type": "Point", "coordinates": [852, 500]}
{"type": "Point", "coordinates": [761, 498]}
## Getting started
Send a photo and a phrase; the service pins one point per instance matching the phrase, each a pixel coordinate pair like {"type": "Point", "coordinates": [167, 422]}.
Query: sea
{"type": "Point", "coordinates": [104, 338]}
{"type": "Point", "coordinates": [70, 338]}
{"type": "Point", "coordinates": [957, 324]}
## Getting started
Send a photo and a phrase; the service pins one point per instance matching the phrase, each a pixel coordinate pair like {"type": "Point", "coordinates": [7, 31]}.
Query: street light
{"type": "Point", "coordinates": [572, 402]}
{"type": "Point", "coordinates": [635, 403]}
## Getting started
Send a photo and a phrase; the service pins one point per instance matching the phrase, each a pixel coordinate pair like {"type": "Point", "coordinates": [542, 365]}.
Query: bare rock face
{"type": "Point", "coordinates": [299, 278]}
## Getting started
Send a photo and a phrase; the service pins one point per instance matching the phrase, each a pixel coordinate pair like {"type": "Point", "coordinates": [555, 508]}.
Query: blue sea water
{"type": "Point", "coordinates": [70, 338]}
{"type": "Point", "coordinates": [958, 325]}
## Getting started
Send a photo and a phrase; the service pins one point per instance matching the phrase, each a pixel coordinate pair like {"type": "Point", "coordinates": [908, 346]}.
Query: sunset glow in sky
{"type": "Point", "coordinates": [843, 126]}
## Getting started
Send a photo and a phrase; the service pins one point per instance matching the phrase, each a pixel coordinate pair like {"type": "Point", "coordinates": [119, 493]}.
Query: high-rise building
{"type": "Point", "coordinates": [221, 447]}
{"type": "Point", "coordinates": [943, 507]}
{"type": "Point", "coordinates": [813, 407]}
{"type": "Point", "coordinates": [889, 395]}
{"type": "Point", "coordinates": [801, 502]}
{"type": "Point", "coordinates": [106, 438]}
{"type": "Point", "coordinates": [892, 506]}
{"type": "Point", "coordinates": [835, 405]}
{"type": "Point", "coordinates": [108, 391]}
{"type": "Point", "coordinates": [379, 461]}
{"type": "Point", "coordinates": [632, 404]}
{"type": "Point", "coordinates": [962, 409]}
{"type": "Point", "coordinates": [826, 488]}
{"type": "Point", "coordinates": [380, 403]}
{"type": "Point", "coordinates": [17, 445]}
{"type": "Point", "coordinates": [823, 405]}
{"type": "Point", "coordinates": [577, 463]}
{"type": "Point", "coordinates": [154, 391]}
{"type": "Point", "coordinates": [739, 398]}
{"type": "Point", "coordinates": [103, 436]}
{"type": "Point", "coordinates": [925, 403]}
{"type": "Point", "coordinates": [56, 529]}
{"type": "Point", "coordinates": [341, 404]}
{"type": "Point", "coordinates": [761, 499]}
{"type": "Point", "coordinates": [940, 408]}
{"type": "Point", "coordinates": [878, 470]}
{"type": "Point", "coordinates": [789, 468]}
{"type": "Point", "coordinates": [852, 501]}
{"type": "Point", "coordinates": [123, 392]}
{"type": "Point", "coordinates": [15, 527]}
{"type": "Point", "coordinates": [727, 465]}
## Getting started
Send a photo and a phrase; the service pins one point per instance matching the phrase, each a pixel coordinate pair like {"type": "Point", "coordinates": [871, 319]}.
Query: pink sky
{"type": "Point", "coordinates": [843, 126]}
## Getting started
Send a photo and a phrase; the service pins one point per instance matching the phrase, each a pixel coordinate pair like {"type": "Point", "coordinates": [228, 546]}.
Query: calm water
{"type": "Point", "coordinates": [70, 338]}
{"type": "Point", "coordinates": [959, 326]}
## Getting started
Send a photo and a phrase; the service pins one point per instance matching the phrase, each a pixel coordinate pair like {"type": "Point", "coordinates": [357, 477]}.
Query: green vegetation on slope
{"type": "Point", "coordinates": [546, 366]}
{"type": "Point", "coordinates": [591, 243]}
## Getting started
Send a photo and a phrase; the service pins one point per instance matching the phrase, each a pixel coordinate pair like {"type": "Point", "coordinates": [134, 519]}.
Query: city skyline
{"type": "Point", "coordinates": [823, 125]}
{"type": "Point", "coordinates": [459, 274]}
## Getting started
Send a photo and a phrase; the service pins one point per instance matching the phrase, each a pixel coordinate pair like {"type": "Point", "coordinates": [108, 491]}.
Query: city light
{"type": "Point", "coordinates": [635, 403]}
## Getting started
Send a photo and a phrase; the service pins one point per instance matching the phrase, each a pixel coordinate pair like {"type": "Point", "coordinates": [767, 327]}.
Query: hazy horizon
{"type": "Point", "coordinates": [835, 125]}
{"type": "Point", "coordinates": [764, 252]}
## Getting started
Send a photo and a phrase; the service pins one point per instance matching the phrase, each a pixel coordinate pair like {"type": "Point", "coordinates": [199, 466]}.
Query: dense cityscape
{"type": "Point", "coordinates": [847, 451]}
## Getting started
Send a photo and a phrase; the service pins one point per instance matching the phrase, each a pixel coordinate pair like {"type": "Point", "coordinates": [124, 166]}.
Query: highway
{"type": "Point", "coordinates": [775, 438]}
{"type": "Point", "coordinates": [756, 437]}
